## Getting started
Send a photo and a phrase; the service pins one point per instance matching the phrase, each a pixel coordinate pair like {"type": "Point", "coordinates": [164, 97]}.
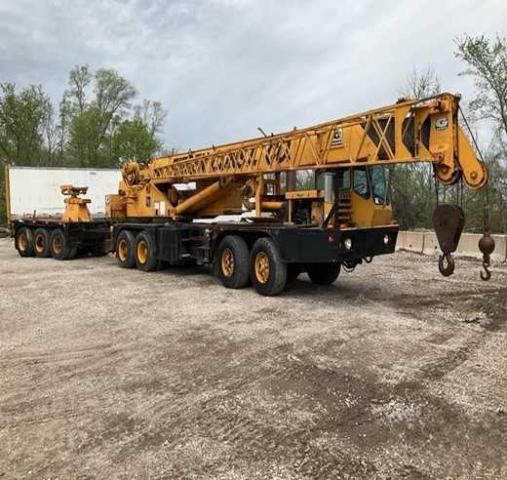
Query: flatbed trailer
{"type": "Point", "coordinates": [62, 240]}
{"type": "Point", "coordinates": [269, 255]}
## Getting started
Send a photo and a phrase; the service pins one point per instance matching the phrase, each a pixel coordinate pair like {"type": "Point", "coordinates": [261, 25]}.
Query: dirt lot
{"type": "Point", "coordinates": [393, 372]}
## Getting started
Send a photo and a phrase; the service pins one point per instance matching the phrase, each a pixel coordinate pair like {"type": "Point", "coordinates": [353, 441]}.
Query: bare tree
{"type": "Point", "coordinates": [152, 115]}
{"type": "Point", "coordinates": [421, 84]}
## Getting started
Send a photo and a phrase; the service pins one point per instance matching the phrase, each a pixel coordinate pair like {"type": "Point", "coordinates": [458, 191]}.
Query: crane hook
{"type": "Point", "coordinates": [487, 247]}
{"type": "Point", "coordinates": [446, 264]}
{"type": "Point", "coordinates": [486, 275]}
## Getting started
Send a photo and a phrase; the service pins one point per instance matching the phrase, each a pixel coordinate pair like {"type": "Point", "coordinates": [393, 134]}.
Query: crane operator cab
{"type": "Point", "coordinates": [347, 198]}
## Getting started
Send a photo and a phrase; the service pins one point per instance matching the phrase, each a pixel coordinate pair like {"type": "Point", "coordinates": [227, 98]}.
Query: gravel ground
{"type": "Point", "coordinates": [393, 372]}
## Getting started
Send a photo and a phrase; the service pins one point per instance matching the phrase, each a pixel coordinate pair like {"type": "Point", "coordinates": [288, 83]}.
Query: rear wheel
{"type": "Point", "coordinates": [24, 242]}
{"type": "Point", "coordinates": [60, 246]}
{"type": "Point", "coordinates": [231, 262]}
{"type": "Point", "coordinates": [323, 273]}
{"type": "Point", "coordinates": [125, 249]}
{"type": "Point", "coordinates": [41, 243]}
{"type": "Point", "coordinates": [146, 258]}
{"type": "Point", "coordinates": [267, 271]}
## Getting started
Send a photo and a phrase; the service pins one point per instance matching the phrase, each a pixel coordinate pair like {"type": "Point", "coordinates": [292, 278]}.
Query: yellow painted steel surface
{"type": "Point", "coordinates": [76, 207]}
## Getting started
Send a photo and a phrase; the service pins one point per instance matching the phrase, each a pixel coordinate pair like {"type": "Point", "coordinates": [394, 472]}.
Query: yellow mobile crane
{"type": "Point", "coordinates": [345, 218]}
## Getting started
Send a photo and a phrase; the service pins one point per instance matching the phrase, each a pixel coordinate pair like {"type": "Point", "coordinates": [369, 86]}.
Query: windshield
{"type": "Point", "coordinates": [378, 185]}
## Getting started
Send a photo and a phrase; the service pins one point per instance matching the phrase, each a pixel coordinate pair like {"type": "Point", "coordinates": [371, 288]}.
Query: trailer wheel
{"type": "Point", "coordinates": [60, 247]}
{"type": "Point", "coordinates": [125, 249]}
{"type": "Point", "coordinates": [323, 273]}
{"type": "Point", "coordinates": [231, 262]}
{"type": "Point", "coordinates": [41, 243]}
{"type": "Point", "coordinates": [24, 242]}
{"type": "Point", "coordinates": [146, 257]}
{"type": "Point", "coordinates": [268, 272]}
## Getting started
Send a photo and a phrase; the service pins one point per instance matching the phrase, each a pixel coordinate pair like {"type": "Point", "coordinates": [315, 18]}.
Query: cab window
{"type": "Point", "coordinates": [361, 182]}
{"type": "Point", "coordinates": [378, 185]}
{"type": "Point", "coordinates": [342, 182]}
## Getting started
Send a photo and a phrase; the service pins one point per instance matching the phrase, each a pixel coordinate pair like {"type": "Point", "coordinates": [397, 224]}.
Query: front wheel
{"type": "Point", "coordinates": [323, 273]}
{"type": "Point", "coordinates": [267, 271]}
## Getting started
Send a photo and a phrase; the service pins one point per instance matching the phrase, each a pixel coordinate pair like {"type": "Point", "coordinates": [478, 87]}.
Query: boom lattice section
{"type": "Point", "coordinates": [409, 131]}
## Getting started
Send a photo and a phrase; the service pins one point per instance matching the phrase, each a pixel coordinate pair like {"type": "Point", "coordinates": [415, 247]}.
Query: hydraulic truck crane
{"type": "Point", "coordinates": [342, 220]}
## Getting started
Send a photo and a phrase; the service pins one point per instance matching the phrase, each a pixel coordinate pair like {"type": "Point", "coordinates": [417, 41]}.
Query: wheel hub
{"type": "Point", "coordinates": [142, 252]}
{"type": "Point", "coordinates": [122, 250]}
{"type": "Point", "coordinates": [57, 244]}
{"type": "Point", "coordinates": [22, 242]}
{"type": "Point", "coordinates": [262, 267]}
{"type": "Point", "coordinates": [227, 262]}
{"type": "Point", "coordinates": [39, 243]}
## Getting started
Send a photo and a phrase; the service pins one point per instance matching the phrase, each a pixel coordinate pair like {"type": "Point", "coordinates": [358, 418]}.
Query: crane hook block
{"type": "Point", "coordinates": [487, 247]}
{"type": "Point", "coordinates": [448, 222]}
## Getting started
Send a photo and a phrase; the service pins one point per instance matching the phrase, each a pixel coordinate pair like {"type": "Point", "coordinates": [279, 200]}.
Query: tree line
{"type": "Point", "coordinates": [99, 124]}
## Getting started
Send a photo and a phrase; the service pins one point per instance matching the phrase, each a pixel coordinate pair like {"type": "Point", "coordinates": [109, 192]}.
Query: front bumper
{"type": "Point", "coordinates": [315, 245]}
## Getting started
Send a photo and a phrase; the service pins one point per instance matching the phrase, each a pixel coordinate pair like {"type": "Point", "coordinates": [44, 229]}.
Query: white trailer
{"type": "Point", "coordinates": [37, 189]}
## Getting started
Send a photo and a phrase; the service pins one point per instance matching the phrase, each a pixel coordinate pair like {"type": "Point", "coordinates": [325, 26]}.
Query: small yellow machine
{"type": "Point", "coordinates": [76, 207]}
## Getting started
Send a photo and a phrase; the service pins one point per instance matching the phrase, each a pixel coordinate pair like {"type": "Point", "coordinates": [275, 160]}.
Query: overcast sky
{"type": "Point", "coordinates": [224, 67]}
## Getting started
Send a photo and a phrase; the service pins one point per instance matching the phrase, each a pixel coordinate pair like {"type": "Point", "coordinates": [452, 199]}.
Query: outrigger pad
{"type": "Point", "coordinates": [448, 222]}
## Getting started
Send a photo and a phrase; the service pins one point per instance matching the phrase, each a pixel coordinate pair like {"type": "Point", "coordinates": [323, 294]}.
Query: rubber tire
{"type": "Point", "coordinates": [29, 251]}
{"type": "Point", "coordinates": [151, 263]}
{"type": "Point", "coordinates": [44, 235]}
{"type": "Point", "coordinates": [323, 273]}
{"type": "Point", "coordinates": [277, 279]}
{"type": "Point", "coordinates": [67, 251]}
{"type": "Point", "coordinates": [130, 260]}
{"type": "Point", "coordinates": [241, 274]}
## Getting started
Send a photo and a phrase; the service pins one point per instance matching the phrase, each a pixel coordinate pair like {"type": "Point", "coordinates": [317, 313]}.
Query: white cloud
{"type": "Point", "coordinates": [224, 67]}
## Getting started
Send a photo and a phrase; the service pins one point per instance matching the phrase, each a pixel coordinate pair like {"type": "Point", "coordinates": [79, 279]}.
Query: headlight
{"type": "Point", "coordinates": [386, 239]}
{"type": "Point", "coordinates": [348, 243]}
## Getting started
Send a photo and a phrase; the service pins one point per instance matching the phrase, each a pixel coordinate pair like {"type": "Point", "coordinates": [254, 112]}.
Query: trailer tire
{"type": "Point", "coordinates": [267, 271]}
{"type": "Point", "coordinates": [323, 273]}
{"type": "Point", "coordinates": [232, 261]}
{"type": "Point", "coordinates": [24, 242]}
{"type": "Point", "coordinates": [60, 247]}
{"type": "Point", "coordinates": [41, 243]}
{"type": "Point", "coordinates": [145, 253]}
{"type": "Point", "coordinates": [126, 249]}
